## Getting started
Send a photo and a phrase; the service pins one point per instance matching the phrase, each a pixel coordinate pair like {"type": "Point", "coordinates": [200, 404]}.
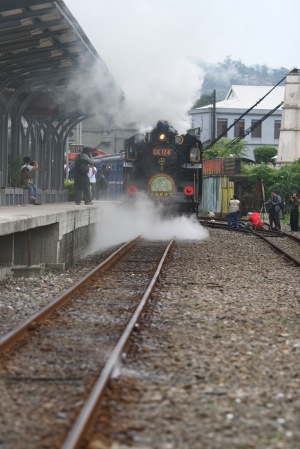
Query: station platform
{"type": "Point", "coordinates": [50, 235]}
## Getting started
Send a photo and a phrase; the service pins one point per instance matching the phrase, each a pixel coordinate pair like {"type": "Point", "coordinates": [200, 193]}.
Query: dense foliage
{"type": "Point", "coordinates": [285, 180]}
{"type": "Point", "coordinates": [222, 149]}
{"type": "Point", "coordinates": [15, 178]}
{"type": "Point", "coordinates": [265, 154]}
{"type": "Point", "coordinates": [69, 185]}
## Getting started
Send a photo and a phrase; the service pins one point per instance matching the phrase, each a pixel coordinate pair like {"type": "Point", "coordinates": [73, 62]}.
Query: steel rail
{"type": "Point", "coordinates": [87, 415]}
{"type": "Point", "coordinates": [289, 256]}
{"type": "Point", "coordinates": [20, 331]}
{"type": "Point", "coordinates": [260, 233]}
{"type": "Point", "coordinates": [218, 224]}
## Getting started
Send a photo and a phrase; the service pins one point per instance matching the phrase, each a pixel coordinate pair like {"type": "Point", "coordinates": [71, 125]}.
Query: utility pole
{"type": "Point", "coordinates": [213, 128]}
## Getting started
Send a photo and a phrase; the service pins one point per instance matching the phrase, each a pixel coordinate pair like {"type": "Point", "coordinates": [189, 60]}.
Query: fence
{"type": "Point", "coordinates": [19, 197]}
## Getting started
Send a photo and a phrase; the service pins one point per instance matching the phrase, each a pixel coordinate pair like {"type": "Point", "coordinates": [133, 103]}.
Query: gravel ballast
{"type": "Point", "coordinates": [215, 364]}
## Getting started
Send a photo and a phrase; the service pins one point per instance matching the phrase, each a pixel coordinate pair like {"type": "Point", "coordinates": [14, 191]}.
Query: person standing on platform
{"type": "Point", "coordinates": [102, 182]}
{"type": "Point", "coordinates": [274, 205]}
{"type": "Point", "coordinates": [294, 215]}
{"type": "Point", "coordinates": [71, 171]}
{"type": "Point", "coordinates": [27, 168]}
{"type": "Point", "coordinates": [234, 207]}
{"type": "Point", "coordinates": [81, 178]}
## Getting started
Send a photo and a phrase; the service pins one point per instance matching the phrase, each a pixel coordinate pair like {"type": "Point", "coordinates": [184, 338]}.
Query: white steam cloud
{"type": "Point", "coordinates": [164, 92]}
{"type": "Point", "coordinates": [160, 94]}
{"type": "Point", "coordinates": [143, 218]}
{"type": "Point", "coordinates": [147, 49]}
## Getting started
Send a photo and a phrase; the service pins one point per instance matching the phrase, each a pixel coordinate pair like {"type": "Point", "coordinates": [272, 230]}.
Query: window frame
{"type": "Point", "coordinates": [127, 152]}
{"type": "Point", "coordinates": [197, 159]}
{"type": "Point", "coordinates": [236, 130]}
{"type": "Point", "coordinates": [256, 131]}
{"type": "Point", "coordinates": [219, 132]}
{"type": "Point", "coordinates": [277, 130]}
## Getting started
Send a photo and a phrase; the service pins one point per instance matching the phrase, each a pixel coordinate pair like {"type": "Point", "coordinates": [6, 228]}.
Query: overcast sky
{"type": "Point", "coordinates": [147, 45]}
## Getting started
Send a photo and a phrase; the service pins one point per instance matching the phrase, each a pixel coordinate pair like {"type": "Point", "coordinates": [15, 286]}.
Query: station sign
{"type": "Point", "coordinates": [222, 166]}
{"type": "Point", "coordinates": [161, 152]}
{"type": "Point", "coordinates": [76, 148]}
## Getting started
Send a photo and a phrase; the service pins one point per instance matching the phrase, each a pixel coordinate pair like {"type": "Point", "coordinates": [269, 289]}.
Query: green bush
{"type": "Point", "coordinates": [265, 154]}
{"type": "Point", "coordinates": [222, 149]}
{"type": "Point", "coordinates": [284, 180]}
{"type": "Point", "coordinates": [15, 179]}
{"type": "Point", "coordinates": [70, 186]}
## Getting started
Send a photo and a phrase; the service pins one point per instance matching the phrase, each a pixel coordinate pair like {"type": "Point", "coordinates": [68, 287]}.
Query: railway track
{"type": "Point", "coordinates": [49, 381]}
{"type": "Point", "coordinates": [283, 239]}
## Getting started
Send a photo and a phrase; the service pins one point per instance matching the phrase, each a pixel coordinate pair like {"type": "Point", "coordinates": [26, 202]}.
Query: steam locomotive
{"type": "Point", "coordinates": [163, 164]}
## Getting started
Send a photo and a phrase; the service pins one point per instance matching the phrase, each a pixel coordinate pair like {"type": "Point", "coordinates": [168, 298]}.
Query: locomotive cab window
{"type": "Point", "coordinates": [131, 153]}
{"type": "Point", "coordinates": [194, 154]}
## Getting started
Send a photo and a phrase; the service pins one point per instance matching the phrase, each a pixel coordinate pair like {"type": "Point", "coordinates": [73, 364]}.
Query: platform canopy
{"type": "Point", "coordinates": [51, 78]}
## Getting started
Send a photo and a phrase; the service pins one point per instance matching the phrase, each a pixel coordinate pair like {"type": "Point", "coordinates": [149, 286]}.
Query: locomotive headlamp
{"type": "Point", "coordinates": [162, 136]}
{"type": "Point", "coordinates": [178, 139]}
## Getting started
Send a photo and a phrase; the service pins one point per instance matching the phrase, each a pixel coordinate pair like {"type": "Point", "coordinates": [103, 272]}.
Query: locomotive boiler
{"type": "Point", "coordinates": [163, 164]}
{"type": "Point", "coordinates": [166, 166]}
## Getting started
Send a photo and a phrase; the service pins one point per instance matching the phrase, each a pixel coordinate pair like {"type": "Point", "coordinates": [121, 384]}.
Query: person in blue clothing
{"type": "Point", "coordinates": [274, 207]}
{"type": "Point", "coordinates": [71, 171]}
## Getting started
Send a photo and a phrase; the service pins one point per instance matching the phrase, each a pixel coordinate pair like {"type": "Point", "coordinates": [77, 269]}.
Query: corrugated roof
{"type": "Point", "coordinates": [244, 97]}
{"type": "Point", "coordinates": [43, 46]}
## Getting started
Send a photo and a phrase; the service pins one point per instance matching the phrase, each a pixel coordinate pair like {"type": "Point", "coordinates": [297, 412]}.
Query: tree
{"type": "Point", "coordinates": [204, 100]}
{"type": "Point", "coordinates": [14, 173]}
{"type": "Point", "coordinates": [222, 149]}
{"type": "Point", "coordinates": [264, 154]}
{"type": "Point", "coordinates": [285, 180]}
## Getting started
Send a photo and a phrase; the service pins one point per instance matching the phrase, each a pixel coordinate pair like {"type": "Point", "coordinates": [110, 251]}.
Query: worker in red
{"type": "Point", "coordinates": [254, 221]}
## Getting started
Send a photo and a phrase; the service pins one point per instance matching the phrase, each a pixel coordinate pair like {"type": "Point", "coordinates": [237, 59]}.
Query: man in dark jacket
{"type": "Point", "coordinates": [81, 179]}
{"type": "Point", "coordinates": [274, 206]}
{"type": "Point", "coordinates": [102, 182]}
{"type": "Point", "coordinates": [294, 215]}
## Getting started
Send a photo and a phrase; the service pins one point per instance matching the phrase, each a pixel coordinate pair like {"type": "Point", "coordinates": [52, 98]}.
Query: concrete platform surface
{"type": "Point", "coordinates": [20, 218]}
{"type": "Point", "coordinates": [52, 234]}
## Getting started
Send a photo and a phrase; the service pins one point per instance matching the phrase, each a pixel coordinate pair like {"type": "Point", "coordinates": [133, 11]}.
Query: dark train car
{"type": "Point", "coordinates": [165, 165]}
{"type": "Point", "coordinates": [115, 180]}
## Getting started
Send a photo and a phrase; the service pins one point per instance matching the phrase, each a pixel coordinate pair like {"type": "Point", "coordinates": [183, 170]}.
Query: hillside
{"type": "Point", "coordinates": [222, 75]}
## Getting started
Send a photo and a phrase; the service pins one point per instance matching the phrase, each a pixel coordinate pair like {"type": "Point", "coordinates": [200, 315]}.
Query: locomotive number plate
{"type": "Point", "coordinates": [161, 152]}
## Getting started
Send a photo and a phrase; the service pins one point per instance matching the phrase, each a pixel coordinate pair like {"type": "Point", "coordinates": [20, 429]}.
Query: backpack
{"type": "Point", "coordinates": [25, 170]}
{"type": "Point", "coordinates": [25, 175]}
{"type": "Point", "coordinates": [282, 204]}
{"type": "Point", "coordinates": [81, 168]}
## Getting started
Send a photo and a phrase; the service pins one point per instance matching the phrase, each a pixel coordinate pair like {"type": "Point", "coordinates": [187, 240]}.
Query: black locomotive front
{"type": "Point", "coordinates": [167, 166]}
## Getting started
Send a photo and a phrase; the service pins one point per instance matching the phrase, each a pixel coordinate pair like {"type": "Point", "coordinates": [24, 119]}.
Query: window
{"type": "Point", "coordinates": [239, 128]}
{"type": "Point", "coordinates": [221, 127]}
{"type": "Point", "coordinates": [194, 154]}
{"type": "Point", "coordinates": [256, 132]}
{"type": "Point", "coordinates": [277, 125]}
{"type": "Point", "coordinates": [131, 153]}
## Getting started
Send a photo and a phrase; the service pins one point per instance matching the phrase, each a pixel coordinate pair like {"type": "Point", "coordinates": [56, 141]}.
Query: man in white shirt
{"type": "Point", "coordinates": [92, 176]}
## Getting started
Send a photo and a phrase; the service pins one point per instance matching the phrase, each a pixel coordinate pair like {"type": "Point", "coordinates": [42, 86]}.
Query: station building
{"type": "Point", "coordinates": [238, 100]}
